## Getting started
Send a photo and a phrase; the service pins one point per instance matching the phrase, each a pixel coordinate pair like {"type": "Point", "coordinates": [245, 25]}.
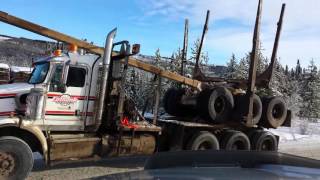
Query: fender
{"type": "Point", "coordinates": [35, 130]}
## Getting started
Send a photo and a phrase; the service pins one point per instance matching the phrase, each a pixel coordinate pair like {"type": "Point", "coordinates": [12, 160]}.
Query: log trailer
{"type": "Point", "coordinates": [77, 109]}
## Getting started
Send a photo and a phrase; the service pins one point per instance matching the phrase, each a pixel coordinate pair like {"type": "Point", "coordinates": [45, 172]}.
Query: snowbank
{"type": "Point", "coordinates": [21, 69]}
{"type": "Point", "coordinates": [3, 38]}
{"type": "Point", "coordinates": [295, 133]}
{"type": "Point", "coordinates": [4, 66]}
{"type": "Point", "coordinates": [286, 134]}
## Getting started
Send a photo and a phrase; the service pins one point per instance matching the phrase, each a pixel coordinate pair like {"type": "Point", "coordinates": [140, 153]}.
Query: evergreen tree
{"type": "Point", "coordinates": [262, 63]}
{"type": "Point", "coordinates": [243, 68]}
{"type": "Point", "coordinates": [157, 58]}
{"type": "Point", "coordinates": [287, 70]}
{"type": "Point", "coordinates": [310, 93]}
{"type": "Point", "coordinates": [177, 61]}
{"type": "Point", "coordinates": [232, 67]}
{"type": "Point", "coordinates": [171, 64]}
{"type": "Point", "coordinates": [244, 65]}
{"type": "Point", "coordinates": [203, 60]}
{"type": "Point", "coordinates": [292, 74]}
{"type": "Point", "coordinates": [195, 50]}
{"type": "Point", "coordinates": [298, 70]}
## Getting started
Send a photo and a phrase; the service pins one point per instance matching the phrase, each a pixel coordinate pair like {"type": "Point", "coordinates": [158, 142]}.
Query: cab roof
{"type": "Point", "coordinates": [74, 58]}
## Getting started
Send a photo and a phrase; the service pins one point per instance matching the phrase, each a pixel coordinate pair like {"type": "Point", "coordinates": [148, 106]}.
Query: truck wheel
{"type": "Point", "coordinates": [16, 158]}
{"type": "Point", "coordinates": [274, 112]}
{"type": "Point", "coordinates": [264, 141]}
{"type": "Point", "coordinates": [241, 108]}
{"type": "Point", "coordinates": [203, 140]}
{"type": "Point", "coordinates": [217, 104]}
{"type": "Point", "coordinates": [235, 140]}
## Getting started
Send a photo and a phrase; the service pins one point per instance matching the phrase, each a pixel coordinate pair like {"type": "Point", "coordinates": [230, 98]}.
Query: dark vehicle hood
{"type": "Point", "coordinates": [224, 165]}
{"type": "Point", "coordinates": [267, 172]}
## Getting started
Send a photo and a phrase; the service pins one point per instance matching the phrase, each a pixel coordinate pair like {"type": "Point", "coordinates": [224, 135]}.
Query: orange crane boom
{"type": "Point", "coordinates": [21, 23]}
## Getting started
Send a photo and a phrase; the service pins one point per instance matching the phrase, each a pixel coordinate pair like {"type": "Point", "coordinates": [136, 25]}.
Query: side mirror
{"type": "Point", "coordinates": [123, 50]}
{"type": "Point", "coordinates": [135, 49]}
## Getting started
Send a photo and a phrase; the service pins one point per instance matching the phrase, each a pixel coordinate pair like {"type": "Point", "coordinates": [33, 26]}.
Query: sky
{"type": "Point", "coordinates": [160, 24]}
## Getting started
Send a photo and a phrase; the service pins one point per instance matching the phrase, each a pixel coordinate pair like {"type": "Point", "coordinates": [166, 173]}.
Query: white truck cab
{"type": "Point", "coordinates": [59, 112]}
{"type": "Point", "coordinates": [67, 83]}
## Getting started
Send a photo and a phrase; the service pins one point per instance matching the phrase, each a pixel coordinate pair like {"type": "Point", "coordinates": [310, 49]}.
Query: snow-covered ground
{"type": "Point", "coordinates": [301, 139]}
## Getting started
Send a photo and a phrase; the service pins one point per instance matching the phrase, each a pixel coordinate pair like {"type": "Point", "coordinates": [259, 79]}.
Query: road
{"type": "Point", "coordinates": [309, 147]}
{"type": "Point", "coordinates": [90, 169]}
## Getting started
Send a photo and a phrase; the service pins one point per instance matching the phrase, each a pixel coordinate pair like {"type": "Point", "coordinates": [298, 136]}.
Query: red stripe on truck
{"type": "Point", "coordinates": [8, 95]}
{"type": "Point", "coordinates": [67, 113]}
{"type": "Point", "coordinates": [7, 113]}
{"type": "Point", "coordinates": [78, 97]}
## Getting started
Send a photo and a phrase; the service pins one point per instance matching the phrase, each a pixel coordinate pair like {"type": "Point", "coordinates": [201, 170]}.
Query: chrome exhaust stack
{"type": "Point", "coordinates": [105, 67]}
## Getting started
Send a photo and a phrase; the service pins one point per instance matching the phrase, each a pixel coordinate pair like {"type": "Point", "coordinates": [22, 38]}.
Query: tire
{"type": "Point", "coordinates": [172, 103]}
{"type": "Point", "coordinates": [216, 104]}
{"type": "Point", "coordinates": [235, 140]}
{"type": "Point", "coordinates": [251, 133]}
{"type": "Point", "coordinates": [241, 102]}
{"type": "Point", "coordinates": [274, 112]}
{"type": "Point", "coordinates": [17, 152]}
{"type": "Point", "coordinates": [203, 140]}
{"type": "Point", "coordinates": [264, 141]}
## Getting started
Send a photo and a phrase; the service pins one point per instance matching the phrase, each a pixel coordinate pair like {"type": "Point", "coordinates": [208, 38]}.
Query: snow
{"type": "Point", "coordinates": [3, 38]}
{"type": "Point", "coordinates": [286, 134]}
{"type": "Point", "coordinates": [4, 66]}
{"type": "Point", "coordinates": [16, 68]}
{"type": "Point", "coordinates": [294, 133]}
{"type": "Point", "coordinates": [21, 69]}
{"type": "Point", "coordinates": [293, 141]}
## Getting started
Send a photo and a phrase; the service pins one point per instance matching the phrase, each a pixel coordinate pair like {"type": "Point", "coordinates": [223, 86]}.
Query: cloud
{"type": "Point", "coordinates": [166, 8]}
{"type": "Point", "coordinates": [300, 35]}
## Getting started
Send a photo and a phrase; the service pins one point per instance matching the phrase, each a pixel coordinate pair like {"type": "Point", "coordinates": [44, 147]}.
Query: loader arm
{"type": "Point", "coordinates": [52, 34]}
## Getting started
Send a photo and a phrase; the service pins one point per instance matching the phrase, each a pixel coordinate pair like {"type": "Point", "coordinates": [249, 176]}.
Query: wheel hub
{"type": "Point", "coordinates": [6, 164]}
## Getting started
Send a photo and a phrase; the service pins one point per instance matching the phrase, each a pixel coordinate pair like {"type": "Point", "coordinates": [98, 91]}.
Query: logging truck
{"type": "Point", "coordinates": [75, 108]}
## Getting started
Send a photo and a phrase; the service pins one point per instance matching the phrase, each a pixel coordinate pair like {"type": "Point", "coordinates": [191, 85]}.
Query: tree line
{"type": "Point", "coordinates": [299, 86]}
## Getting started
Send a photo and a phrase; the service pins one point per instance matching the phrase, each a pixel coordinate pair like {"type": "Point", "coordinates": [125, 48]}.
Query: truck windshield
{"type": "Point", "coordinates": [39, 73]}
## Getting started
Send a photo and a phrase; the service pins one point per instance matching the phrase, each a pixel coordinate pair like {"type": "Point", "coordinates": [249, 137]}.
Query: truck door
{"type": "Point", "coordinates": [68, 107]}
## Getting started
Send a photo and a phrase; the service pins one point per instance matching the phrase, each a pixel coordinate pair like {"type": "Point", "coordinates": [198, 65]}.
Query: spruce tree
{"type": "Point", "coordinates": [310, 93]}
{"type": "Point", "coordinates": [157, 58]}
{"type": "Point", "coordinates": [232, 67]}
{"type": "Point", "coordinates": [287, 70]}
{"type": "Point", "coordinates": [243, 68]}
{"type": "Point", "coordinates": [298, 72]}
{"type": "Point", "coordinates": [204, 57]}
